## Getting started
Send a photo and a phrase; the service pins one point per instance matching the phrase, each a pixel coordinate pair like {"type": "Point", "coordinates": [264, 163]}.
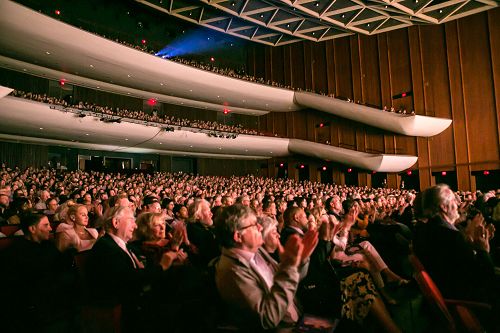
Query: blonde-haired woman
{"type": "Point", "coordinates": [74, 234]}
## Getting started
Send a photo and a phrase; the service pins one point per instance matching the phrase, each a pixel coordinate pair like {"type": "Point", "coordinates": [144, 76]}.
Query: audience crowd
{"type": "Point", "coordinates": [252, 252]}
{"type": "Point", "coordinates": [214, 127]}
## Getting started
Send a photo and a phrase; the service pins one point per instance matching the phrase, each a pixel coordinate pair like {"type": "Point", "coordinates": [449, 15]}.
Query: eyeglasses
{"type": "Point", "coordinates": [249, 226]}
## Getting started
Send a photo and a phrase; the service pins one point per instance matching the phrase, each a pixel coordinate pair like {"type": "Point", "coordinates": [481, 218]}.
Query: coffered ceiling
{"type": "Point", "coordinates": [279, 22]}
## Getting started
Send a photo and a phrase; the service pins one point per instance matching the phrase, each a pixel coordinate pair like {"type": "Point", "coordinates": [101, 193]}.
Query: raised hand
{"type": "Point", "coordinates": [291, 253]}
{"type": "Point", "coordinates": [309, 241]}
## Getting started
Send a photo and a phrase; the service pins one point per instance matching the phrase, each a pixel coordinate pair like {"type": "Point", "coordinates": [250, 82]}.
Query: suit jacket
{"type": "Point", "coordinates": [251, 304]}
{"type": "Point", "coordinates": [112, 276]}
{"type": "Point", "coordinates": [458, 270]}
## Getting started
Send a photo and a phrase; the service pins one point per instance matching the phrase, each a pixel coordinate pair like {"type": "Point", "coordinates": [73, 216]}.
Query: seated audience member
{"type": "Point", "coordinates": [259, 293]}
{"type": "Point", "coordinates": [75, 235]}
{"type": "Point", "coordinates": [52, 206]}
{"type": "Point", "coordinates": [201, 234]}
{"type": "Point", "coordinates": [44, 195]}
{"type": "Point", "coordinates": [351, 290]}
{"type": "Point", "coordinates": [150, 239]}
{"type": "Point", "coordinates": [39, 281]}
{"type": "Point", "coordinates": [4, 205]}
{"type": "Point", "coordinates": [151, 204]}
{"type": "Point", "coordinates": [461, 269]}
{"type": "Point", "coordinates": [18, 208]}
{"type": "Point", "coordinates": [168, 206]}
{"type": "Point", "coordinates": [363, 254]}
{"type": "Point", "coordinates": [127, 281]}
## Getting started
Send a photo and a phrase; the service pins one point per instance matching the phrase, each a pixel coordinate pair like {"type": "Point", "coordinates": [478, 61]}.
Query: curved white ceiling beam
{"type": "Point", "coordinates": [28, 121]}
{"type": "Point", "coordinates": [4, 91]}
{"type": "Point", "coordinates": [375, 162]}
{"type": "Point", "coordinates": [403, 124]}
{"type": "Point", "coordinates": [25, 67]}
{"type": "Point", "coordinates": [56, 47]}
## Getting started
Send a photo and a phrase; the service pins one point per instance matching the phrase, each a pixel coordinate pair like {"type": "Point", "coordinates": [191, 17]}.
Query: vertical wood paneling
{"type": "Point", "coordinates": [320, 81]}
{"type": "Point", "coordinates": [494, 29]}
{"type": "Point", "coordinates": [330, 67]}
{"type": "Point", "coordinates": [355, 68]}
{"type": "Point", "coordinates": [297, 62]}
{"type": "Point", "coordinates": [457, 105]}
{"type": "Point", "coordinates": [437, 91]}
{"type": "Point", "coordinates": [477, 87]}
{"type": "Point", "coordinates": [399, 67]}
{"type": "Point", "coordinates": [278, 63]}
{"type": "Point", "coordinates": [385, 77]}
{"type": "Point", "coordinates": [343, 68]}
{"type": "Point", "coordinates": [308, 73]}
{"type": "Point", "coordinates": [287, 65]}
{"type": "Point", "coordinates": [370, 72]}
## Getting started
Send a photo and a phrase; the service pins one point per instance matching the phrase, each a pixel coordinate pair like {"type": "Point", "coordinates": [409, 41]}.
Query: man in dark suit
{"type": "Point", "coordinates": [38, 282]}
{"type": "Point", "coordinates": [115, 275]}
{"type": "Point", "coordinates": [460, 269]}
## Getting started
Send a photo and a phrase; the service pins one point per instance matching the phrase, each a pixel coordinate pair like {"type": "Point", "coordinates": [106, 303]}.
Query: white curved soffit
{"type": "Point", "coordinates": [32, 69]}
{"type": "Point", "coordinates": [53, 44]}
{"type": "Point", "coordinates": [38, 120]}
{"type": "Point", "coordinates": [403, 124]}
{"type": "Point", "coordinates": [374, 162]}
{"type": "Point", "coordinates": [4, 91]}
{"type": "Point", "coordinates": [24, 120]}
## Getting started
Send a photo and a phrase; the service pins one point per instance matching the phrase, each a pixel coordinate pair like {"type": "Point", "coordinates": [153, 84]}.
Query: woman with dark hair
{"type": "Point", "coordinates": [168, 205]}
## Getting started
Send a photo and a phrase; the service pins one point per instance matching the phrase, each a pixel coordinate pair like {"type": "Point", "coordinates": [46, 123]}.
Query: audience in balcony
{"type": "Point", "coordinates": [216, 129]}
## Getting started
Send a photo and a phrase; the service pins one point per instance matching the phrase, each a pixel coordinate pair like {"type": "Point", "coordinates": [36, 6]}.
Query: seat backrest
{"type": "Point", "coordinates": [6, 242]}
{"type": "Point", "coordinates": [435, 299]}
{"type": "Point", "coordinates": [416, 263]}
{"type": "Point", "coordinates": [9, 230]}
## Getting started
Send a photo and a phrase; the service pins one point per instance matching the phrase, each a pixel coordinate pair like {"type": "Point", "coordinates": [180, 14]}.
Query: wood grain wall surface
{"type": "Point", "coordinates": [453, 70]}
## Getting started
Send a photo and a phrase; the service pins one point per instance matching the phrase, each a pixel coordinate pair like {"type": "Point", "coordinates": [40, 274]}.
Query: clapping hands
{"type": "Point", "coordinates": [297, 250]}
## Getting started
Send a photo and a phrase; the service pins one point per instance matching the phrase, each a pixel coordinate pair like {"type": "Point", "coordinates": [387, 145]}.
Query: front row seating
{"type": "Point", "coordinates": [454, 315]}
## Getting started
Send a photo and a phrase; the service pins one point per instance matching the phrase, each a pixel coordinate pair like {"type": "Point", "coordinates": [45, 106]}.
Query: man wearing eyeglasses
{"type": "Point", "coordinates": [258, 292]}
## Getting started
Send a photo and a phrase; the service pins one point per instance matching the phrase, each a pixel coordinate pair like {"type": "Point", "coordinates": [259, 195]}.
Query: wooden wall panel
{"type": "Point", "coordinates": [436, 91]}
{"type": "Point", "coordinates": [297, 63]}
{"type": "Point", "coordinates": [278, 64]}
{"type": "Point", "coordinates": [385, 78]}
{"type": "Point", "coordinates": [477, 83]}
{"type": "Point", "coordinates": [300, 125]}
{"type": "Point", "coordinates": [343, 76]}
{"type": "Point", "coordinates": [330, 67]}
{"type": "Point", "coordinates": [457, 105]}
{"type": "Point", "coordinates": [308, 76]}
{"type": "Point", "coordinates": [319, 74]}
{"type": "Point", "coordinates": [280, 124]}
{"type": "Point", "coordinates": [399, 67]}
{"type": "Point", "coordinates": [356, 69]}
{"type": "Point", "coordinates": [287, 65]}
{"type": "Point", "coordinates": [370, 71]}
{"type": "Point", "coordinates": [494, 29]}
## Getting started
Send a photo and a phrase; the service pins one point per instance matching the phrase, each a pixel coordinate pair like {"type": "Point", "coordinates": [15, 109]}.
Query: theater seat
{"type": "Point", "coordinates": [454, 315]}
{"type": "Point", "coordinates": [9, 230]}
{"type": "Point", "coordinates": [95, 318]}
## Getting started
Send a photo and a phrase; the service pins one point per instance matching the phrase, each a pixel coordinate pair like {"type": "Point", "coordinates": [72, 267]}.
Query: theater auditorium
{"type": "Point", "coordinates": [250, 166]}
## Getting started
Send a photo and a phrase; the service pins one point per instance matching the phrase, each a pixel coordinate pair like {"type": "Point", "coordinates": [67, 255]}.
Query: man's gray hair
{"type": "Point", "coordinates": [228, 222]}
{"type": "Point", "coordinates": [432, 199]}
{"type": "Point", "coordinates": [114, 213]}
